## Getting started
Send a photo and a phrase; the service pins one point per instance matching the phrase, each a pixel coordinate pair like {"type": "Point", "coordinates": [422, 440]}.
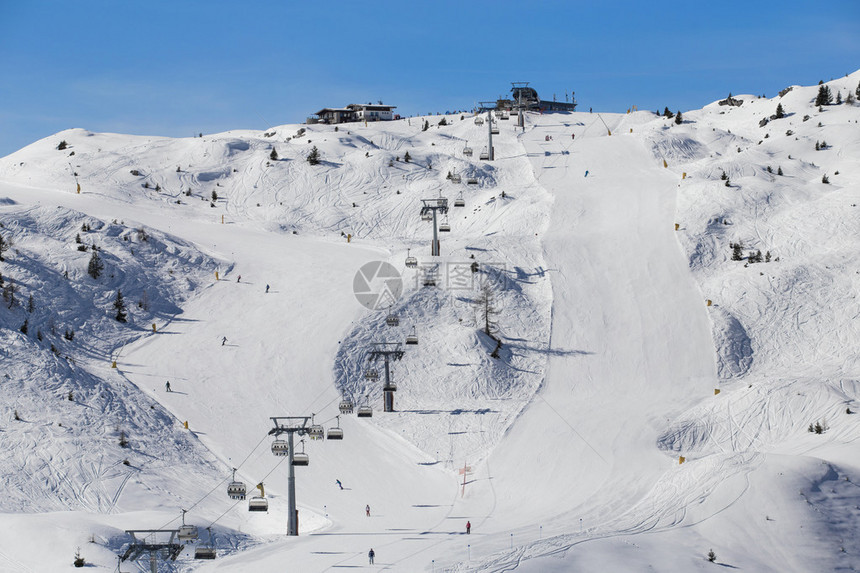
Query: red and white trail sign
{"type": "Point", "coordinates": [464, 471]}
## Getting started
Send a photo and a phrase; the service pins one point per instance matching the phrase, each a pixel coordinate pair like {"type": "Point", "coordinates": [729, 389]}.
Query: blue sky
{"type": "Point", "coordinates": [179, 67]}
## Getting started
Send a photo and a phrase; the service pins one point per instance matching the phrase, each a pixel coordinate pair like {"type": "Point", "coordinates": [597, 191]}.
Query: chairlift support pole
{"type": "Point", "coordinates": [490, 153]}
{"type": "Point", "coordinates": [387, 351]}
{"type": "Point", "coordinates": [168, 550]}
{"type": "Point", "coordinates": [430, 206]}
{"type": "Point", "coordinates": [290, 425]}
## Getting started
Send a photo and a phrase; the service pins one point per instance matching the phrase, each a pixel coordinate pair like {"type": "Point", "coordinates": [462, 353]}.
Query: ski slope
{"type": "Point", "coordinates": [607, 374]}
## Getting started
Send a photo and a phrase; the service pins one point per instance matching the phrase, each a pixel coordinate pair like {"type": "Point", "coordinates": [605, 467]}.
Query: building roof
{"type": "Point", "coordinates": [374, 107]}
{"type": "Point", "coordinates": [334, 109]}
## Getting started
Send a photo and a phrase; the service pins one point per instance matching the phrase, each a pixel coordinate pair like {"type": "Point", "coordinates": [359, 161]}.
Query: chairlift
{"type": "Point", "coordinates": [390, 386]}
{"type": "Point", "coordinates": [494, 128]}
{"type": "Point", "coordinates": [206, 551]}
{"type": "Point", "coordinates": [485, 155]}
{"type": "Point", "coordinates": [411, 261]}
{"type": "Point", "coordinates": [335, 433]}
{"type": "Point", "coordinates": [444, 227]}
{"type": "Point", "coordinates": [301, 458]}
{"type": "Point", "coordinates": [346, 406]}
{"type": "Point", "coordinates": [392, 319]}
{"type": "Point", "coordinates": [280, 447]}
{"type": "Point", "coordinates": [236, 489]}
{"type": "Point", "coordinates": [315, 432]}
{"type": "Point", "coordinates": [455, 177]}
{"type": "Point", "coordinates": [428, 216]}
{"type": "Point", "coordinates": [365, 412]}
{"type": "Point", "coordinates": [459, 201]}
{"type": "Point", "coordinates": [472, 180]}
{"type": "Point", "coordinates": [504, 114]}
{"type": "Point", "coordinates": [186, 533]}
{"type": "Point", "coordinates": [371, 374]}
{"type": "Point", "coordinates": [479, 120]}
{"type": "Point", "coordinates": [259, 502]}
{"type": "Point", "coordinates": [467, 150]}
{"type": "Point", "coordinates": [412, 338]}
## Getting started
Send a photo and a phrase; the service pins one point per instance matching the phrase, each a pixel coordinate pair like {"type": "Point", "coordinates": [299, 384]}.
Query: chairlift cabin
{"type": "Point", "coordinates": [472, 180]}
{"type": "Point", "coordinates": [412, 338]}
{"type": "Point", "coordinates": [346, 406]}
{"type": "Point", "coordinates": [301, 458]}
{"type": "Point", "coordinates": [236, 489]}
{"type": "Point", "coordinates": [459, 201]}
{"type": "Point", "coordinates": [371, 374]}
{"type": "Point", "coordinates": [411, 262]}
{"type": "Point", "coordinates": [365, 412]}
{"type": "Point", "coordinates": [479, 120]}
{"type": "Point", "coordinates": [455, 177]}
{"type": "Point", "coordinates": [316, 432]}
{"type": "Point", "coordinates": [467, 150]}
{"type": "Point", "coordinates": [504, 114]}
{"type": "Point", "coordinates": [428, 216]}
{"type": "Point", "coordinates": [280, 447]}
{"type": "Point", "coordinates": [186, 533]}
{"type": "Point", "coordinates": [206, 551]}
{"type": "Point", "coordinates": [494, 128]}
{"type": "Point", "coordinates": [390, 386]}
{"type": "Point", "coordinates": [392, 319]}
{"type": "Point", "coordinates": [258, 503]}
{"type": "Point", "coordinates": [444, 227]}
{"type": "Point", "coordinates": [335, 433]}
{"type": "Point", "coordinates": [485, 154]}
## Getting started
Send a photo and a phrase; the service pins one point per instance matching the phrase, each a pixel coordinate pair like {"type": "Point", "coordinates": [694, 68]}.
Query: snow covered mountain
{"type": "Point", "coordinates": [638, 329]}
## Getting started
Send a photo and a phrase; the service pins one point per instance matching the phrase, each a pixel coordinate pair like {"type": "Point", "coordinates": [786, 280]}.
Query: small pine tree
{"type": "Point", "coordinates": [780, 113]}
{"type": "Point", "coordinates": [737, 252]}
{"type": "Point", "coordinates": [758, 257]}
{"type": "Point", "coordinates": [62, 145]}
{"type": "Point", "coordinates": [824, 179]}
{"type": "Point", "coordinates": [426, 125]}
{"type": "Point", "coordinates": [728, 182]}
{"type": "Point", "coordinates": [314, 156]}
{"type": "Point", "coordinates": [667, 113]}
{"type": "Point", "coordinates": [79, 561]}
{"type": "Point", "coordinates": [119, 306]}
{"type": "Point", "coordinates": [850, 99]}
{"type": "Point", "coordinates": [69, 335]}
{"type": "Point", "coordinates": [838, 98]}
{"type": "Point", "coordinates": [857, 91]}
{"type": "Point", "coordinates": [96, 266]}
{"type": "Point", "coordinates": [779, 170]}
{"type": "Point", "coordinates": [31, 304]}
{"type": "Point", "coordinates": [817, 146]}
{"type": "Point", "coordinates": [4, 246]}
{"type": "Point", "coordinates": [769, 169]}
{"type": "Point", "coordinates": [274, 154]}
{"type": "Point", "coordinates": [724, 177]}
{"type": "Point", "coordinates": [678, 119]}
{"type": "Point", "coordinates": [407, 158]}
{"type": "Point", "coordinates": [123, 440]}
{"type": "Point", "coordinates": [25, 327]}
{"type": "Point", "coordinates": [214, 195]}
{"type": "Point", "coordinates": [712, 556]}
{"type": "Point", "coordinates": [767, 257]}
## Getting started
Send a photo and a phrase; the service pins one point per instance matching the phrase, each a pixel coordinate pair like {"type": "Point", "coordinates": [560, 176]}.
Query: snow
{"type": "Point", "coordinates": [613, 365]}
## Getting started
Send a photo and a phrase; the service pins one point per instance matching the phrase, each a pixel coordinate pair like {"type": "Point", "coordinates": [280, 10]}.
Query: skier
{"type": "Point", "coordinates": [468, 527]}
{"type": "Point", "coordinates": [371, 555]}
{"type": "Point", "coordinates": [239, 279]}
{"type": "Point", "coordinates": [340, 485]}
{"type": "Point", "coordinates": [586, 172]}
{"type": "Point", "coordinates": [223, 341]}
{"type": "Point", "coordinates": [367, 510]}
{"type": "Point", "coordinates": [167, 386]}
{"type": "Point", "coordinates": [573, 136]}
{"type": "Point", "coordinates": [267, 288]}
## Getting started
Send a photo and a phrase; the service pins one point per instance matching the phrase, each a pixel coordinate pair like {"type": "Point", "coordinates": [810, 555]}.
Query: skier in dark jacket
{"type": "Point", "coordinates": [371, 555]}
{"type": "Point", "coordinates": [468, 527]}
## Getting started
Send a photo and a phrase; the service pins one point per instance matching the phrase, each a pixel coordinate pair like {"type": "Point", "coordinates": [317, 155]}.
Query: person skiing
{"type": "Point", "coordinates": [167, 386]}
{"type": "Point", "coordinates": [223, 341]}
{"type": "Point", "coordinates": [239, 279]}
{"type": "Point", "coordinates": [468, 527]}
{"type": "Point", "coordinates": [367, 510]}
{"type": "Point", "coordinates": [586, 173]}
{"type": "Point", "coordinates": [267, 288]}
{"type": "Point", "coordinates": [370, 555]}
{"type": "Point", "coordinates": [340, 485]}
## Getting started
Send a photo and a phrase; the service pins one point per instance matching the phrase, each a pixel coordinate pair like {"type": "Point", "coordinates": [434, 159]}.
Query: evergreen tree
{"type": "Point", "coordinates": [758, 257]}
{"type": "Point", "coordinates": [4, 246]}
{"type": "Point", "coordinates": [780, 113]}
{"type": "Point", "coordinates": [426, 125]}
{"type": "Point", "coordinates": [96, 266]}
{"type": "Point", "coordinates": [724, 177]}
{"type": "Point", "coordinates": [314, 156]}
{"type": "Point", "coordinates": [838, 98]}
{"type": "Point", "coordinates": [487, 310]}
{"type": "Point", "coordinates": [119, 307]}
{"type": "Point", "coordinates": [62, 145]}
{"type": "Point", "coordinates": [767, 257]}
{"type": "Point", "coordinates": [9, 294]}
{"type": "Point", "coordinates": [678, 119]}
{"type": "Point", "coordinates": [26, 326]}
{"type": "Point", "coordinates": [31, 304]}
{"type": "Point", "coordinates": [274, 154]}
{"type": "Point", "coordinates": [737, 252]}
{"type": "Point", "coordinates": [824, 179]}
{"type": "Point", "coordinates": [857, 91]}
{"type": "Point", "coordinates": [779, 170]}
{"type": "Point", "coordinates": [214, 195]}
{"type": "Point", "coordinates": [407, 158]}
{"type": "Point", "coordinates": [850, 99]}
{"type": "Point", "coordinates": [824, 96]}
{"type": "Point", "coordinates": [667, 113]}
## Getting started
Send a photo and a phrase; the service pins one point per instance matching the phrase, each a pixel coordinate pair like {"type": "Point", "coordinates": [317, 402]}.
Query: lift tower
{"type": "Point", "coordinates": [489, 105]}
{"type": "Point", "coordinates": [291, 425]}
{"type": "Point", "coordinates": [428, 213]}
{"type": "Point", "coordinates": [167, 548]}
{"type": "Point", "coordinates": [387, 351]}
